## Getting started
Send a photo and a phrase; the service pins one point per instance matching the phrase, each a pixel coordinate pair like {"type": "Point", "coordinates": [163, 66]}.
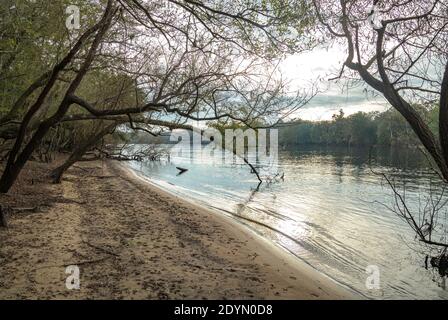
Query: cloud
{"type": "Point", "coordinates": [321, 64]}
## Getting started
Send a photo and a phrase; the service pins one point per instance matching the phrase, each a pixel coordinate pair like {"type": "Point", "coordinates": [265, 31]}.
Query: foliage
{"type": "Point", "coordinates": [387, 128]}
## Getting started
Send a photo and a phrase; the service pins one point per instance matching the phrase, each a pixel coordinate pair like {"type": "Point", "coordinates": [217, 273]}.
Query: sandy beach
{"type": "Point", "coordinates": [132, 240]}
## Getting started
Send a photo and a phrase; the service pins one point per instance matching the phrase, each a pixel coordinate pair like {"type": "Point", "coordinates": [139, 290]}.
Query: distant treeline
{"type": "Point", "coordinates": [360, 129]}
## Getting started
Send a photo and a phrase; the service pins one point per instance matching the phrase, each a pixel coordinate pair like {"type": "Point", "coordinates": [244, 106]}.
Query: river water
{"type": "Point", "coordinates": [330, 210]}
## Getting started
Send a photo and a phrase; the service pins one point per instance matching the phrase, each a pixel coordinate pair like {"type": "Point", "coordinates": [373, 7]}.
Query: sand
{"type": "Point", "coordinates": [132, 240]}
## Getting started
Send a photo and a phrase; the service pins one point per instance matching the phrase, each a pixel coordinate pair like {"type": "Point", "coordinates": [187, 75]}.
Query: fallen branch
{"type": "Point", "coordinates": [101, 249]}
{"type": "Point", "coordinates": [81, 168]}
{"type": "Point", "coordinates": [73, 263]}
{"type": "Point", "coordinates": [32, 209]}
{"type": "Point", "coordinates": [181, 170]}
{"type": "Point", "coordinates": [253, 170]}
{"type": "Point", "coordinates": [86, 262]}
{"type": "Point", "coordinates": [102, 177]}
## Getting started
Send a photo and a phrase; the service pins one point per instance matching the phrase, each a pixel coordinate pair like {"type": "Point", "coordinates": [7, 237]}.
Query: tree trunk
{"type": "Point", "coordinates": [16, 160]}
{"type": "Point", "coordinates": [19, 104]}
{"type": "Point", "coordinates": [421, 129]}
{"type": "Point", "coordinates": [3, 219]}
{"type": "Point", "coordinates": [78, 153]}
{"type": "Point", "coordinates": [443, 115]}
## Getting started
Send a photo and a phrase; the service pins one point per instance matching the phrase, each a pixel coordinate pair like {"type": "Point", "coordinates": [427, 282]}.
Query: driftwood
{"type": "Point", "coordinates": [181, 170]}
{"type": "Point", "coordinates": [102, 177]}
{"type": "Point", "coordinates": [440, 263]}
{"type": "Point", "coordinates": [253, 170]}
{"type": "Point", "coordinates": [101, 249]}
{"type": "Point", "coordinates": [80, 263]}
{"type": "Point", "coordinates": [6, 211]}
{"type": "Point", "coordinates": [26, 209]}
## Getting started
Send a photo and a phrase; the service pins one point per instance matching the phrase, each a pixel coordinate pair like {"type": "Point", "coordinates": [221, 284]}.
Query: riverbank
{"type": "Point", "coordinates": [132, 240]}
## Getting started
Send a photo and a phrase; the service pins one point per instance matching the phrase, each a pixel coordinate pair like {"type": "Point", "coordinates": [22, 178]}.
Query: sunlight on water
{"type": "Point", "coordinates": [330, 211]}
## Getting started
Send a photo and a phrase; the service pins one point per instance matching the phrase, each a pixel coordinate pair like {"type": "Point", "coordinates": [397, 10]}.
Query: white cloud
{"type": "Point", "coordinates": [324, 63]}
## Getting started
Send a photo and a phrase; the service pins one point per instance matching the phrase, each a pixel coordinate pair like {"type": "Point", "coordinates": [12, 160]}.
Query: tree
{"type": "Point", "coordinates": [17, 157]}
{"type": "Point", "coordinates": [398, 48]}
{"type": "Point", "coordinates": [190, 60]}
{"type": "Point", "coordinates": [362, 129]}
{"type": "Point", "coordinates": [399, 57]}
{"type": "Point", "coordinates": [31, 41]}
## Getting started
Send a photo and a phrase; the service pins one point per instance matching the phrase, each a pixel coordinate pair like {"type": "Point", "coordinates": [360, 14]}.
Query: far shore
{"type": "Point", "coordinates": [132, 240]}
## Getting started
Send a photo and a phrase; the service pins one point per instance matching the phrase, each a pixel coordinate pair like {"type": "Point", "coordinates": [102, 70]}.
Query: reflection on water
{"type": "Point", "coordinates": [329, 211]}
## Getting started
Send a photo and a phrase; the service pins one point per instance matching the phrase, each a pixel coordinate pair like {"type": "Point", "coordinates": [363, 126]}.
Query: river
{"type": "Point", "coordinates": [330, 210]}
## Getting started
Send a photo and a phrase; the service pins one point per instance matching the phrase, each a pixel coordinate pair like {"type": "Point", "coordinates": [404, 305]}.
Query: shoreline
{"type": "Point", "coordinates": [134, 240]}
{"type": "Point", "coordinates": [276, 249]}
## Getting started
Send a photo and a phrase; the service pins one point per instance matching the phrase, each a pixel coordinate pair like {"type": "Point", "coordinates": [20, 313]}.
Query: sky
{"type": "Point", "coordinates": [303, 69]}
